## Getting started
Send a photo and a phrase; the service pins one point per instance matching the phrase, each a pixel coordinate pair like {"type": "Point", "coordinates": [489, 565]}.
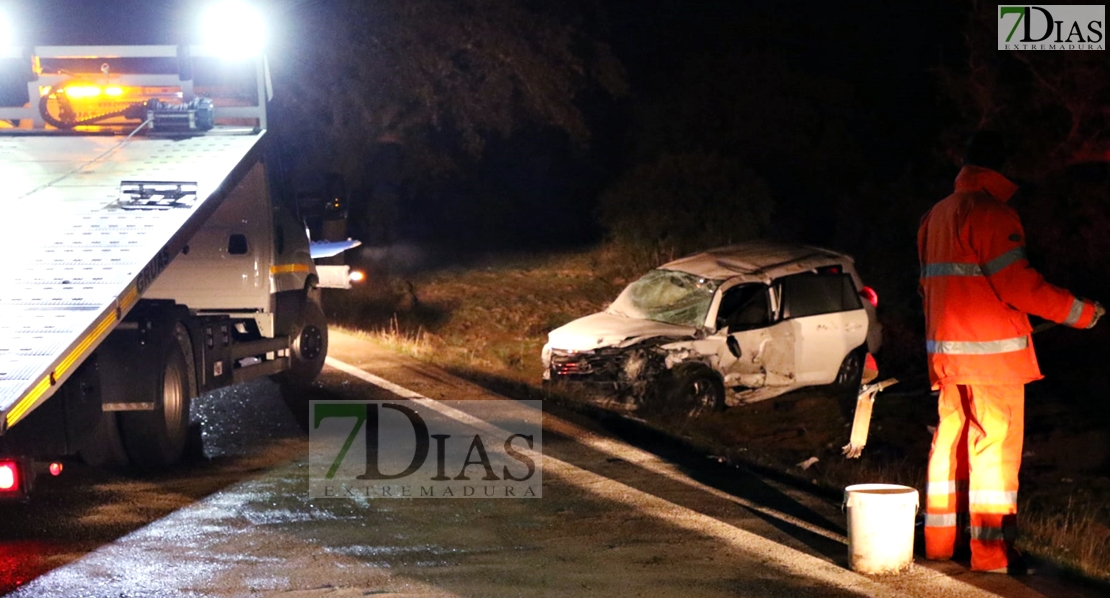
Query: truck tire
{"type": "Point", "coordinates": [309, 347]}
{"type": "Point", "coordinates": [104, 448]}
{"type": "Point", "coordinates": [307, 351]}
{"type": "Point", "coordinates": [157, 438]}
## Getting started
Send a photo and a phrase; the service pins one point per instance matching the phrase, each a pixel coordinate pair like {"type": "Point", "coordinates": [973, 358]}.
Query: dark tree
{"type": "Point", "coordinates": [1055, 105]}
{"type": "Point", "coordinates": [679, 203]}
{"type": "Point", "coordinates": [767, 133]}
{"type": "Point", "coordinates": [422, 73]}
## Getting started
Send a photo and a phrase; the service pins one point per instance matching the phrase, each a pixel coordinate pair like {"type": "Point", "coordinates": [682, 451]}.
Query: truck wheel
{"type": "Point", "coordinates": [157, 438]}
{"type": "Point", "coordinates": [307, 352]}
{"type": "Point", "coordinates": [694, 389]}
{"type": "Point", "coordinates": [309, 348]}
{"type": "Point", "coordinates": [104, 448]}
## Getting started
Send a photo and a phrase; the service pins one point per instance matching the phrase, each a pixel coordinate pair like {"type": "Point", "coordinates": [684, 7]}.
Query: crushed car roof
{"type": "Point", "coordinates": [760, 260]}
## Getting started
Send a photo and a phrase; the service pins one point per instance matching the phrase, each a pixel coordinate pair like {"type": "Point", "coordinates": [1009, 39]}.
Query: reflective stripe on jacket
{"type": "Point", "coordinates": [978, 287]}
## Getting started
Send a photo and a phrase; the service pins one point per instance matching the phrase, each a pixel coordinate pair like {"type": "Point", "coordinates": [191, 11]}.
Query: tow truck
{"type": "Point", "coordinates": [151, 253]}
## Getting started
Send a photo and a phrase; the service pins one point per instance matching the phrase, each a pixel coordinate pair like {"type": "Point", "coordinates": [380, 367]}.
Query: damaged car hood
{"type": "Point", "coordinates": [610, 330]}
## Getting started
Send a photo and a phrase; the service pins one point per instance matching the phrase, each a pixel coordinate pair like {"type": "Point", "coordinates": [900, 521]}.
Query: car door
{"type": "Point", "coordinates": [827, 319]}
{"type": "Point", "coordinates": [746, 319]}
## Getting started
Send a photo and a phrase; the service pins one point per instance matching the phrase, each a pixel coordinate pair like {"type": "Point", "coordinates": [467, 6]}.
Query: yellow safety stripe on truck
{"type": "Point", "coordinates": [106, 324]}
{"type": "Point", "coordinates": [129, 298]}
{"type": "Point", "coordinates": [289, 268]}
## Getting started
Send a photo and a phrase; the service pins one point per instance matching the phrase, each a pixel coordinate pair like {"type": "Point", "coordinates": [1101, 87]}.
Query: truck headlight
{"type": "Point", "coordinates": [8, 42]}
{"type": "Point", "coordinates": [6, 38]}
{"type": "Point", "coordinates": [233, 30]}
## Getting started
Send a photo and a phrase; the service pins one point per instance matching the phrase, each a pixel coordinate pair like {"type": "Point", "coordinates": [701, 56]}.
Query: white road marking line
{"type": "Point", "coordinates": [789, 560]}
{"type": "Point", "coordinates": [606, 446]}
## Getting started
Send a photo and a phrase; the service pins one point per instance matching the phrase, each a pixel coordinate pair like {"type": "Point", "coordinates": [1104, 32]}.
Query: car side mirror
{"type": "Point", "coordinates": [733, 346]}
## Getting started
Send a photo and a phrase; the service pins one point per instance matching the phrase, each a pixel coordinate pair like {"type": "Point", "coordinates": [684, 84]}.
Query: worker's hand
{"type": "Point", "coordinates": [1099, 312]}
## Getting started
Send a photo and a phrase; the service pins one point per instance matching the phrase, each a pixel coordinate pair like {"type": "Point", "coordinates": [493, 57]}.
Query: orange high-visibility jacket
{"type": "Point", "coordinates": [978, 287]}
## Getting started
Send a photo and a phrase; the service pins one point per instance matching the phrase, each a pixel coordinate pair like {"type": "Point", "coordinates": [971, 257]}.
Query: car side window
{"type": "Point", "coordinates": [744, 307]}
{"type": "Point", "coordinates": [812, 294]}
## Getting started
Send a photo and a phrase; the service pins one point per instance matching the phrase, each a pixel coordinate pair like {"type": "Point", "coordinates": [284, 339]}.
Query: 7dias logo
{"type": "Point", "coordinates": [425, 449]}
{"type": "Point", "coordinates": [1070, 27]}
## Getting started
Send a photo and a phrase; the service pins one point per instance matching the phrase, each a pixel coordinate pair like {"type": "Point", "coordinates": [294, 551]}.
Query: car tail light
{"type": "Point", "coordinates": [870, 296]}
{"type": "Point", "coordinates": [9, 477]}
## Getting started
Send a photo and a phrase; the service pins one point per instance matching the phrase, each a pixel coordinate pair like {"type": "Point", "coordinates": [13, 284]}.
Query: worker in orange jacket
{"type": "Point", "coordinates": [978, 288]}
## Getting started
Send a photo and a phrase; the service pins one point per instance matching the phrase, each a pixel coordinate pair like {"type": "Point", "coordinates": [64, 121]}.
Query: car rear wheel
{"type": "Point", "coordinates": [848, 379]}
{"type": "Point", "coordinates": [695, 389]}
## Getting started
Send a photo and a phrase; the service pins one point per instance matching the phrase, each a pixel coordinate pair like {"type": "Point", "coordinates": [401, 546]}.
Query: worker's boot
{"type": "Point", "coordinates": [1017, 564]}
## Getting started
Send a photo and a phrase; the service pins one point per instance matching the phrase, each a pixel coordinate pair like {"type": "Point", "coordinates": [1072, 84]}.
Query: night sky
{"type": "Point", "coordinates": [884, 50]}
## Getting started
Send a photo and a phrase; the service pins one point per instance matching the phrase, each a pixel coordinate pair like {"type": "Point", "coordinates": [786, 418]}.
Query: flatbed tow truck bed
{"type": "Point", "coordinates": [78, 255]}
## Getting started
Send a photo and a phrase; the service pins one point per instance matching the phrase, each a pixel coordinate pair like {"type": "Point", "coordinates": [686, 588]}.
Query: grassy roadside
{"type": "Point", "coordinates": [489, 323]}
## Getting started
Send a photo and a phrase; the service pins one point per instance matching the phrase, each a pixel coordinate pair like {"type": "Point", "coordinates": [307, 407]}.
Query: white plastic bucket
{"type": "Point", "coordinates": [880, 527]}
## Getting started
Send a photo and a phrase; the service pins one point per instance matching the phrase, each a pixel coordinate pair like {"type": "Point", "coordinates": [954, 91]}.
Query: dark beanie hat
{"type": "Point", "coordinates": [986, 149]}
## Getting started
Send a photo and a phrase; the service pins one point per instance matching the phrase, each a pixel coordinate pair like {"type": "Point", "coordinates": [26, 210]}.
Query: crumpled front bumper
{"type": "Point", "coordinates": [627, 370]}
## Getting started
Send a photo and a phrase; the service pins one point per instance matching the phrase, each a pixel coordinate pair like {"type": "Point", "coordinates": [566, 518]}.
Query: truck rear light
{"type": "Point", "coordinates": [870, 296]}
{"type": "Point", "coordinates": [56, 469]}
{"type": "Point", "coordinates": [9, 476]}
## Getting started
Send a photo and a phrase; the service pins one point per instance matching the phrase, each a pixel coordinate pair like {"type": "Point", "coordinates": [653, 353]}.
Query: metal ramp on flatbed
{"type": "Point", "coordinates": [77, 259]}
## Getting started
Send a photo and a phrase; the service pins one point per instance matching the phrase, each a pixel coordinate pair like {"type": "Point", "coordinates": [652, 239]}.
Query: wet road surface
{"type": "Point", "coordinates": [614, 520]}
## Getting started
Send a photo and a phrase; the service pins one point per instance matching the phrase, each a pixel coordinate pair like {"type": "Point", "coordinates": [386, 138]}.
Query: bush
{"type": "Point", "coordinates": [680, 203]}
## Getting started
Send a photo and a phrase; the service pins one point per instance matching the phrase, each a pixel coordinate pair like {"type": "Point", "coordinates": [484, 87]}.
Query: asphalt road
{"type": "Point", "coordinates": [614, 520]}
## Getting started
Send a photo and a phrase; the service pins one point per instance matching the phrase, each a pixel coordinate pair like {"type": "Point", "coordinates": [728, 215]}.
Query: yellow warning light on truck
{"type": "Point", "coordinates": [83, 91]}
{"type": "Point", "coordinates": [78, 92]}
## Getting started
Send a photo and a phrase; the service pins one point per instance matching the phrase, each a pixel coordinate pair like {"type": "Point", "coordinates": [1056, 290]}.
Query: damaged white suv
{"type": "Point", "coordinates": [728, 326]}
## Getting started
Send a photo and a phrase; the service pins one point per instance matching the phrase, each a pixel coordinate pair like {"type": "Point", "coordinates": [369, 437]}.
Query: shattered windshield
{"type": "Point", "coordinates": [667, 296]}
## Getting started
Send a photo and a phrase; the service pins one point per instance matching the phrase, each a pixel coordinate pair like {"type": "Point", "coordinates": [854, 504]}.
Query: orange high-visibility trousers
{"type": "Point", "coordinates": [973, 472]}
